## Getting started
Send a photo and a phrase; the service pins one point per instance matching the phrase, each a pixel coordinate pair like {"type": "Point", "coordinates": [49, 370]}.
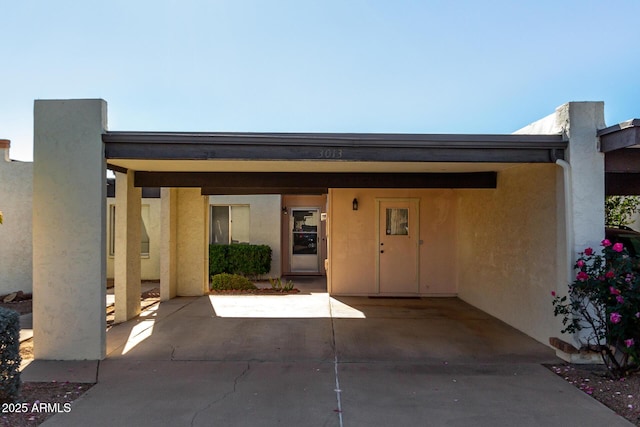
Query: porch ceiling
{"type": "Point", "coordinates": [151, 165]}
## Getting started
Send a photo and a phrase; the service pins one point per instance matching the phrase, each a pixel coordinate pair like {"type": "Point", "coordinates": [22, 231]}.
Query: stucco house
{"type": "Point", "coordinates": [495, 220]}
{"type": "Point", "coordinates": [16, 184]}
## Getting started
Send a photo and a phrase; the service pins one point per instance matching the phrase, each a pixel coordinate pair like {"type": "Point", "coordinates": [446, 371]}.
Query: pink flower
{"type": "Point", "coordinates": [629, 343]}
{"type": "Point", "coordinates": [638, 315]}
{"type": "Point", "coordinates": [615, 317]}
{"type": "Point", "coordinates": [588, 252]}
{"type": "Point", "coordinates": [620, 299]}
{"type": "Point", "coordinates": [618, 247]}
{"type": "Point", "coordinates": [610, 274]}
{"type": "Point", "coordinates": [580, 263]}
{"type": "Point", "coordinates": [606, 243]}
{"type": "Point", "coordinates": [582, 276]}
{"type": "Point", "coordinates": [614, 291]}
{"type": "Point", "coordinates": [553, 293]}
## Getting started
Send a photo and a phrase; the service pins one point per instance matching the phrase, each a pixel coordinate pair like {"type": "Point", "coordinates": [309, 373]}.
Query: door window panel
{"type": "Point", "coordinates": [305, 232]}
{"type": "Point", "coordinates": [397, 222]}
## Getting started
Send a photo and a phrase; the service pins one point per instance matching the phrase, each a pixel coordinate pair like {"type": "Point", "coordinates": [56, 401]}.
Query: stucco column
{"type": "Point", "coordinates": [581, 189]}
{"type": "Point", "coordinates": [192, 242]}
{"type": "Point", "coordinates": [580, 121]}
{"type": "Point", "coordinates": [168, 229]}
{"type": "Point", "coordinates": [127, 247]}
{"type": "Point", "coordinates": [583, 177]}
{"type": "Point", "coordinates": [69, 229]}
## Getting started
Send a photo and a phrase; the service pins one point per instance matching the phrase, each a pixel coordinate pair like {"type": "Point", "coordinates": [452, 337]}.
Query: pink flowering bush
{"type": "Point", "coordinates": [604, 303]}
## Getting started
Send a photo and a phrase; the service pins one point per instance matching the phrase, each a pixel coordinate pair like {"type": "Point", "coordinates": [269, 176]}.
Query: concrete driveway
{"type": "Point", "coordinates": [312, 360]}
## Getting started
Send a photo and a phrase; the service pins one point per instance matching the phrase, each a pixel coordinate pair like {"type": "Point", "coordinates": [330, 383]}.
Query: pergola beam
{"type": "Point", "coordinates": [313, 180]}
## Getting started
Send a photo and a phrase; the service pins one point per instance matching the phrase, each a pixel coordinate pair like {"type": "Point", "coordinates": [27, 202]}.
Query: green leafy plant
{"type": "Point", "coordinates": [277, 285]}
{"type": "Point", "coordinates": [248, 260]}
{"type": "Point", "coordinates": [235, 282]}
{"type": "Point", "coordinates": [603, 304]}
{"type": "Point", "coordinates": [9, 355]}
{"type": "Point", "coordinates": [620, 209]}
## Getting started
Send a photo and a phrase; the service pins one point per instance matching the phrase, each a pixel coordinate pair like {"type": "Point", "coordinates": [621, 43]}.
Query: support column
{"type": "Point", "coordinates": [583, 181]}
{"type": "Point", "coordinates": [192, 242]}
{"type": "Point", "coordinates": [127, 248]}
{"type": "Point", "coordinates": [580, 121]}
{"type": "Point", "coordinates": [580, 186]}
{"type": "Point", "coordinates": [168, 233]}
{"type": "Point", "coordinates": [69, 229]}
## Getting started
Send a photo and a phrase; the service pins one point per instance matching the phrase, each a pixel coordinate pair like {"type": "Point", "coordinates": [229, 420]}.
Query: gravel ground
{"type": "Point", "coordinates": [39, 401]}
{"type": "Point", "coordinates": [622, 396]}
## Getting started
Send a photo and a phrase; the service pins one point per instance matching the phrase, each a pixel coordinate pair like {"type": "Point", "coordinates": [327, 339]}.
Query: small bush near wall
{"type": "Point", "coordinates": [229, 282]}
{"type": "Point", "coordinates": [248, 260]}
{"type": "Point", "coordinates": [10, 355]}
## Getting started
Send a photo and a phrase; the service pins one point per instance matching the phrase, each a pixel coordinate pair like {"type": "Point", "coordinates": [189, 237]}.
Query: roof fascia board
{"type": "Point", "coordinates": [338, 139]}
{"type": "Point", "coordinates": [620, 136]}
{"type": "Point", "coordinates": [510, 154]}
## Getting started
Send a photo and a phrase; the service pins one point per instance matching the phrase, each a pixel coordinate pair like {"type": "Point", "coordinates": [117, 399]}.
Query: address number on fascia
{"type": "Point", "coordinates": [330, 153]}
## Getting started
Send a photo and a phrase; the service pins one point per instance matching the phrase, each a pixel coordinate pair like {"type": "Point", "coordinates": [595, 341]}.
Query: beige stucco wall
{"type": "Point", "coordinates": [353, 242]}
{"type": "Point", "coordinates": [149, 265]}
{"type": "Point", "coordinates": [192, 246]}
{"type": "Point", "coordinates": [581, 193]}
{"type": "Point", "coordinates": [69, 228]}
{"type": "Point", "coordinates": [264, 227]}
{"type": "Point", "coordinates": [507, 249]}
{"type": "Point", "coordinates": [16, 187]}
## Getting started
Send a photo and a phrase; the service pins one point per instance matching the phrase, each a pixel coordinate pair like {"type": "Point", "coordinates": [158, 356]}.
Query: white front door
{"type": "Point", "coordinates": [398, 236]}
{"type": "Point", "coordinates": [304, 253]}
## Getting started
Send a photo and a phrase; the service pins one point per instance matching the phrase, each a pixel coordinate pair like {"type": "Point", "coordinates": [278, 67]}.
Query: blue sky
{"type": "Point", "coordinates": [318, 66]}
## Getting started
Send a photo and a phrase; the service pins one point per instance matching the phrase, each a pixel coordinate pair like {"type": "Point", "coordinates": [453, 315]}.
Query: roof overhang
{"type": "Point", "coordinates": [621, 147]}
{"type": "Point", "coordinates": [202, 159]}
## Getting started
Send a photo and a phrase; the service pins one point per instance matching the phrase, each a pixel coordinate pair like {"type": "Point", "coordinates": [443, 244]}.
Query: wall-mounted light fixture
{"type": "Point", "coordinates": [355, 204]}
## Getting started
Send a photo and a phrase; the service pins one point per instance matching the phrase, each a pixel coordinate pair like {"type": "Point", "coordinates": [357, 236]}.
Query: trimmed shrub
{"type": "Point", "coordinates": [9, 355]}
{"type": "Point", "coordinates": [229, 282]}
{"type": "Point", "coordinates": [218, 259]}
{"type": "Point", "coordinates": [248, 260]}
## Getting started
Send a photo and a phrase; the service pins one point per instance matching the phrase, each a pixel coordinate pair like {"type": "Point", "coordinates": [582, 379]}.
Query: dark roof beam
{"type": "Point", "coordinates": [311, 180]}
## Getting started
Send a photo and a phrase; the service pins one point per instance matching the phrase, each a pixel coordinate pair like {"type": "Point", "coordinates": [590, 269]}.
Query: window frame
{"type": "Point", "coordinates": [229, 207]}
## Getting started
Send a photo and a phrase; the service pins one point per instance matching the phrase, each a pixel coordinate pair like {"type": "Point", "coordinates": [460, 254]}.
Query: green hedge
{"type": "Point", "coordinates": [247, 260]}
{"type": "Point", "coordinates": [10, 355]}
{"type": "Point", "coordinates": [225, 282]}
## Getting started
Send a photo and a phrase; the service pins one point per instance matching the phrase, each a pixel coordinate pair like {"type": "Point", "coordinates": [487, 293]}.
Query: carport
{"type": "Point", "coordinates": [475, 193]}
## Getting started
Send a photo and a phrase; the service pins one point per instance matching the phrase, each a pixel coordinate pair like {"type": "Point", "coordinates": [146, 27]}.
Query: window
{"type": "Point", "coordinates": [229, 224]}
{"type": "Point", "coordinates": [144, 235]}
{"type": "Point", "coordinates": [397, 222]}
{"type": "Point", "coordinates": [305, 231]}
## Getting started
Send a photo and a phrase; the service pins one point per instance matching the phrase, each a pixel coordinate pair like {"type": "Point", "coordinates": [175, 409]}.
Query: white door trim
{"type": "Point", "coordinates": [415, 204]}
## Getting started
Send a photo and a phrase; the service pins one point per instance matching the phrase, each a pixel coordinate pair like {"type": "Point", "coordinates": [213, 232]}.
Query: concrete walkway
{"type": "Point", "coordinates": [312, 360]}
